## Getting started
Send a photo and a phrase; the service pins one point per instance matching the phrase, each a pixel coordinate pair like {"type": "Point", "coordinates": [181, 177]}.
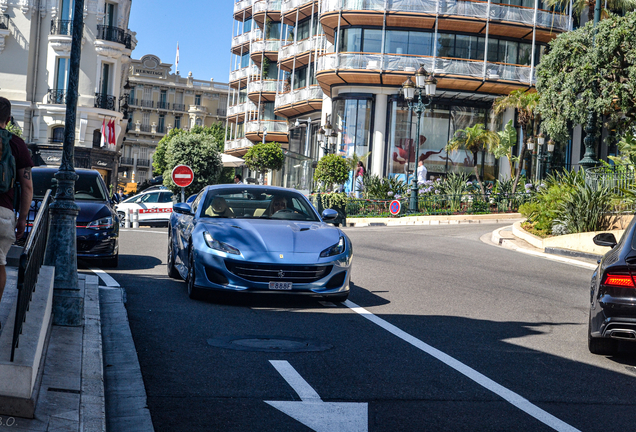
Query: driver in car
{"type": "Point", "coordinates": [278, 203]}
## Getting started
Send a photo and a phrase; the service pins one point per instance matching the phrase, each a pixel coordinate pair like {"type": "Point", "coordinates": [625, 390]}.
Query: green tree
{"type": "Point", "coordinates": [14, 129]}
{"type": "Point", "coordinates": [474, 139]}
{"type": "Point", "coordinates": [578, 6]}
{"type": "Point", "coordinates": [526, 105]}
{"type": "Point", "coordinates": [200, 152]}
{"type": "Point", "coordinates": [332, 169]}
{"type": "Point", "coordinates": [507, 140]}
{"type": "Point", "coordinates": [265, 156]}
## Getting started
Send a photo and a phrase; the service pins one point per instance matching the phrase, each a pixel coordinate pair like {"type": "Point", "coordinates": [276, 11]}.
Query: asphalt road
{"type": "Point", "coordinates": [451, 334]}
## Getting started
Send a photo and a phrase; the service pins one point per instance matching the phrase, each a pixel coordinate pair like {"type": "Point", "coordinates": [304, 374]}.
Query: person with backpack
{"type": "Point", "coordinates": [15, 165]}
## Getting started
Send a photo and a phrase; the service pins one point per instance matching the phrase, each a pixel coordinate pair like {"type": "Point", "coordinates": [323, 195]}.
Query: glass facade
{"type": "Point", "coordinates": [303, 150]}
{"type": "Point", "coordinates": [437, 127]}
{"type": "Point", "coordinates": [423, 43]}
{"type": "Point", "coordinates": [352, 121]}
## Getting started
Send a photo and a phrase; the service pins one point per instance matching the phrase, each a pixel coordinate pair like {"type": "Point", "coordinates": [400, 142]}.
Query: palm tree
{"type": "Point", "coordinates": [474, 139]}
{"type": "Point", "coordinates": [578, 6]}
{"type": "Point", "coordinates": [525, 104]}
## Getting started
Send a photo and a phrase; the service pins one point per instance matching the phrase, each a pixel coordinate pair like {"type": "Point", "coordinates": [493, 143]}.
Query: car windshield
{"type": "Point", "coordinates": [261, 203]}
{"type": "Point", "coordinates": [87, 187]}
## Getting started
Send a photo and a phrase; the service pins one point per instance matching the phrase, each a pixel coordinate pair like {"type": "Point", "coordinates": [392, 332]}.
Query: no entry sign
{"type": "Point", "coordinates": [395, 207]}
{"type": "Point", "coordinates": [182, 175]}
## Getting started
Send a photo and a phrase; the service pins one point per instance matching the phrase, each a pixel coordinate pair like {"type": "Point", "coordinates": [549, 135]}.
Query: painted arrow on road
{"type": "Point", "coordinates": [313, 412]}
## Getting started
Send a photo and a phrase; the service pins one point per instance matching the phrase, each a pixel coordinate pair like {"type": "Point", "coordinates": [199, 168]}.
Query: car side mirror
{"type": "Point", "coordinates": [329, 215]}
{"type": "Point", "coordinates": [605, 239]}
{"type": "Point", "coordinates": [182, 208]}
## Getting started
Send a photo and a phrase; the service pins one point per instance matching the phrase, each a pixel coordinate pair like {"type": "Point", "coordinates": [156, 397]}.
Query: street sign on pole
{"type": "Point", "coordinates": [182, 176]}
{"type": "Point", "coordinates": [395, 207]}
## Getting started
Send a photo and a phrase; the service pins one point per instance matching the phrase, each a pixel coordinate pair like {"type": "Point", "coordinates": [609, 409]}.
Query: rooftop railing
{"type": "Point", "coordinates": [243, 4]}
{"type": "Point", "coordinates": [471, 9]}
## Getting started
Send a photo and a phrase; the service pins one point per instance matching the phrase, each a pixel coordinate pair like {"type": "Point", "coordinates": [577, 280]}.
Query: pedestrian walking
{"type": "Point", "coordinates": [15, 165]}
{"type": "Point", "coordinates": [358, 180]}
{"type": "Point", "coordinates": [422, 172]}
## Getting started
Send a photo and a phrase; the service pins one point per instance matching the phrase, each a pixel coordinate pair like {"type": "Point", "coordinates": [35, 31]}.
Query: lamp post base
{"type": "Point", "coordinates": [413, 204]}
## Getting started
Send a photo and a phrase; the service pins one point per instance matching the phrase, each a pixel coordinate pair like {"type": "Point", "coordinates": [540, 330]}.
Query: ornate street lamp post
{"type": "Point", "coordinates": [589, 158]}
{"type": "Point", "coordinates": [61, 252]}
{"type": "Point", "coordinates": [423, 82]}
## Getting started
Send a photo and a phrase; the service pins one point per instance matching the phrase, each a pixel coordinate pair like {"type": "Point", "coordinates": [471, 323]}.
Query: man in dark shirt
{"type": "Point", "coordinates": [9, 227]}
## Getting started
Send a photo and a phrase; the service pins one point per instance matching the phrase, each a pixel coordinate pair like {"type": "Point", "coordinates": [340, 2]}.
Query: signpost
{"type": "Point", "coordinates": [395, 207]}
{"type": "Point", "coordinates": [182, 176]}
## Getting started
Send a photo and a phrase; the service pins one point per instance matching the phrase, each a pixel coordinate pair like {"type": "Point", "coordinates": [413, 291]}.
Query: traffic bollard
{"type": "Point", "coordinates": [127, 218]}
{"type": "Point", "coordinates": [136, 219]}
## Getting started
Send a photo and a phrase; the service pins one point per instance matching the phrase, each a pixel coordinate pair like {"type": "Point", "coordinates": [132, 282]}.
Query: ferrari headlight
{"type": "Point", "coordinates": [336, 249]}
{"type": "Point", "coordinates": [218, 245]}
{"type": "Point", "coordinates": [103, 223]}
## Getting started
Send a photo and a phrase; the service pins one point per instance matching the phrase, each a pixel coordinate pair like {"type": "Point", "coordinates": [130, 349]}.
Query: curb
{"type": "Point", "coordinates": [572, 253]}
{"type": "Point", "coordinates": [434, 220]}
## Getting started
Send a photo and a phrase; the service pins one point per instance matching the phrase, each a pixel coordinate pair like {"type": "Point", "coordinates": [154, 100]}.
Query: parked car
{"type": "Point", "coordinates": [154, 207]}
{"type": "Point", "coordinates": [97, 222]}
{"type": "Point", "coordinates": [613, 293]}
{"type": "Point", "coordinates": [244, 238]}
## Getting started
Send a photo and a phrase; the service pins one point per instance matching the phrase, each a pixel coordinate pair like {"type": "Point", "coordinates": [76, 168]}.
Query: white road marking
{"type": "Point", "coordinates": [552, 257]}
{"type": "Point", "coordinates": [293, 378]}
{"type": "Point", "coordinates": [508, 395]}
{"type": "Point", "coordinates": [143, 230]}
{"type": "Point", "coordinates": [108, 279]}
{"type": "Point", "coordinates": [313, 412]}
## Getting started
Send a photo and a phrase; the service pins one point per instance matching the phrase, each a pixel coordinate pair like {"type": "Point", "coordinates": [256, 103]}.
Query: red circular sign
{"type": "Point", "coordinates": [395, 207]}
{"type": "Point", "coordinates": [182, 175]}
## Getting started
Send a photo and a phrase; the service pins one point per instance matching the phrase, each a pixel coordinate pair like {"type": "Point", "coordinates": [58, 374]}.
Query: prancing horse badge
{"type": "Point", "coordinates": [281, 256]}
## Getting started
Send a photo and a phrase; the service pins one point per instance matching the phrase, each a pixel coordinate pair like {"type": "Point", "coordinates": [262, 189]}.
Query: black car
{"type": "Point", "coordinates": [613, 293]}
{"type": "Point", "coordinates": [97, 221]}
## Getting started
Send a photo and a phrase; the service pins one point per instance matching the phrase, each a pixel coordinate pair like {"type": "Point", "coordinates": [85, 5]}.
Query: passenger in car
{"type": "Point", "coordinates": [278, 203]}
{"type": "Point", "coordinates": [219, 208]}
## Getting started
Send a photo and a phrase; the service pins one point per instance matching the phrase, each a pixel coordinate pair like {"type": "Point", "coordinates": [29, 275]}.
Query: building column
{"type": "Point", "coordinates": [379, 128]}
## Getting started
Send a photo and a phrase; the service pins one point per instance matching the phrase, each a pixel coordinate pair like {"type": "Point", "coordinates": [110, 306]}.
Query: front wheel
{"type": "Point", "coordinates": [193, 292]}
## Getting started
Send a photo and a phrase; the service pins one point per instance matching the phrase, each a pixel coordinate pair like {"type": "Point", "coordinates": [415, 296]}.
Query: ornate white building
{"type": "Point", "coordinates": [35, 44]}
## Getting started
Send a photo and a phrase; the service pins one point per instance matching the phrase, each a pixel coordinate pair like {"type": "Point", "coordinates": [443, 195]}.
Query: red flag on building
{"type": "Point", "coordinates": [111, 133]}
{"type": "Point", "coordinates": [104, 139]}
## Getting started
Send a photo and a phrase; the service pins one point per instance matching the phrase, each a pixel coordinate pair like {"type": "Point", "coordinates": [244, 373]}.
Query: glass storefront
{"type": "Point", "coordinates": [352, 121]}
{"type": "Point", "coordinates": [298, 172]}
{"type": "Point", "coordinates": [437, 127]}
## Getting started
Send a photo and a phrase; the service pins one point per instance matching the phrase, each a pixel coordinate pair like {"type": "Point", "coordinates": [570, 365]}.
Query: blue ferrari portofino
{"type": "Point", "coordinates": [245, 238]}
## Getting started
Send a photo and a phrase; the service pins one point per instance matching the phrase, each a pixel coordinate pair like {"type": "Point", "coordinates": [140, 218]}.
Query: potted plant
{"type": "Point", "coordinates": [332, 170]}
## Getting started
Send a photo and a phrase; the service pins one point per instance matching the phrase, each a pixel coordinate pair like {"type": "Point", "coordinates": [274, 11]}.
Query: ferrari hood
{"type": "Point", "coordinates": [258, 236]}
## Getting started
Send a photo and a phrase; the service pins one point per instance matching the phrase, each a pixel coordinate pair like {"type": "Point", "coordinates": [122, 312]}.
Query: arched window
{"type": "Point", "coordinates": [57, 135]}
{"type": "Point", "coordinates": [97, 138]}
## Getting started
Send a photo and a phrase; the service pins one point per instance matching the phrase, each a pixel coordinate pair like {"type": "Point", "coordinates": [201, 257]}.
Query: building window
{"type": "Point", "coordinates": [199, 122]}
{"type": "Point", "coordinates": [97, 138]}
{"type": "Point", "coordinates": [111, 15]}
{"type": "Point", "coordinates": [57, 135]}
{"type": "Point", "coordinates": [104, 84]}
{"type": "Point", "coordinates": [162, 124]}
{"type": "Point", "coordinates": [352, 123]}
{"type": "Point", "coordinates": [197, 99]}
{"type": "Point", "coordinates": [61, 73]}
{"type": "Point", "coordinates": [177, 122]}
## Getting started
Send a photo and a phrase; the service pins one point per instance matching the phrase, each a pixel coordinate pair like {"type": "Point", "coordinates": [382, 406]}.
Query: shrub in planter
{"type": "Point", "coordinates": [333, 169]}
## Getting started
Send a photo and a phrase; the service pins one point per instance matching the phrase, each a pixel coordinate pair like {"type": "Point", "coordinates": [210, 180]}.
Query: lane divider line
{"type": "Point", "coordinates": [501, 391]}
{"type": "Point", "coordinates": [108, 279]}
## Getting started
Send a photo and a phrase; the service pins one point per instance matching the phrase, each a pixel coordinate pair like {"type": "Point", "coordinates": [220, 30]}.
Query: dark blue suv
{"type": "Point", "coordinates": [97, 221]}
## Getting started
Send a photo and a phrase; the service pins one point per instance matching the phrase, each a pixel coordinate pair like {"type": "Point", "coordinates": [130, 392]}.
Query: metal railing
{"type": "Point", "coordinates": [114, 34]}
{"type": "Point", "coordinates": [304, 46]}
{"type": "Point", "coordinates": [105, 101]}
{"type": "Point", "coordinates": [61, 28]}
{"type": "Point", "coordinates": [179, 107]}
{"type": "Point", "coordinates": [163, 105]}
{"type": "Point", "coordinates": [472, 9]}
{"type": "Point", "coordinates": [57, 97]}
{"type": "Point", "coordinates": [143, 162]}
{"type": "Point", "coordinates": [265, 45]}
{"type": "Point", "coordinates": [299, 95]}
{"type": "Point", "coordinates": [31, 260]}
{"type": "Point", "coordinates": [126, 161]}
{"type": "Point", "coordinates": [243, 4]}
{"type": "Point", "coordinates": [145, 128]}
{"type": "Point", "coordinates": [266, 5]}
{"type": "Point", "coordinates": [288, 5]}
{"type": "Point", "coordinates": [615, 180]}
{"type": "Point", "coordinates": [273, 126]}
{"type": "Point", "coordinates": [438, 204]}
{"type": "Point", "coordinates": [221, 112]}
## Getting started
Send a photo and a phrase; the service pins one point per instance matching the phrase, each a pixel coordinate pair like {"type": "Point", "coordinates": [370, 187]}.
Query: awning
{"type": "Point", "coordinates": [231, 161]}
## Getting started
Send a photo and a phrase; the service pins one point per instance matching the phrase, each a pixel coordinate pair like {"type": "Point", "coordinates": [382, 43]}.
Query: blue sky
{"type": "Point", "coordinates": [203, 29]}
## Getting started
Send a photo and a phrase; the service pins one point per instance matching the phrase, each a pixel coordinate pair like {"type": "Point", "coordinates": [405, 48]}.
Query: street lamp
{"type": "Point", "coordinates": [264, 134]}
{"type": "Point", "coordinates": [424, 83]}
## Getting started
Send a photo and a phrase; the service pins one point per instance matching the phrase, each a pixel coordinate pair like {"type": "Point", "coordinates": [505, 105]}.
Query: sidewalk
{"type": "Point", "coordinates": [71, 390]}
{"type": "Point", "coordinates": [436, 220]}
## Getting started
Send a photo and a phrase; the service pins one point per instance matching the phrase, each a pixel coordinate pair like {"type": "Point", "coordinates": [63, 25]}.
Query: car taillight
{"type": "Point", "coordinates": [621, 281]}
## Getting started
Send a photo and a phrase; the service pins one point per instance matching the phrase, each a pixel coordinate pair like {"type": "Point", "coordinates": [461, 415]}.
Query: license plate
{"type": "Point", "coordinates": [280, 286]}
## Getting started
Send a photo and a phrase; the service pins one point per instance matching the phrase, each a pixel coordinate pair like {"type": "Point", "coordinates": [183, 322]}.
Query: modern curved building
{"type": "Point", "coordinates": [343, 62]}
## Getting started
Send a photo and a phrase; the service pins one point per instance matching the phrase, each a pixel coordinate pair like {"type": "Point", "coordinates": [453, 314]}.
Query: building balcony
{"type": "Point", "coordinates": [392, 70]}
{"type": "Point", "coordinates": [243, 10]}
{"type": "Point", "coordinates": [179, 107]}
{"type": "Point", "coordinates": [264, 48]}
{"type": "Point", "coordinates": [305, 10]}
{"type": "Point", "coordinates": [277, 130]}
{"type": "Point", "coordinates": [271, 8]}
{"type": "Point", "coordinates": [458, 16]}
{"type": "Point", "coordinates": [61, 28]}
{"type": "Point", "coordinates": [142, 103]}
{"type": "Point", "coordinates": [221, 112]}
{"type": "Point", "coordinates": [126, 161]}
{"type": "Point", "coordinates": [56, 97]}
{"type": "Point", "coordinates": [198, 109]}
{"type": "Point", "coordinates": [300, 101]}
{"type": "Point", "coordinates": [240, 43]}
{"type": "Point", "coordinates": [262, 91]}
{"type": "Point", "coordinates": [143, 162]}
{"type": "Point", "coordinates": [162, 105]}
{"type": "Point", "coordinates": [105, 101]}
{"type": "Point", "coordinates": [238, 77]}
{"type": "Point", "coordinates": [237, 113]}
{"type": "Point", "coordinates": [232, 146]}
{"type": "Point", "coordinates": [114, 34]}
{"type": "Point", "coordinates": [301, 53]}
